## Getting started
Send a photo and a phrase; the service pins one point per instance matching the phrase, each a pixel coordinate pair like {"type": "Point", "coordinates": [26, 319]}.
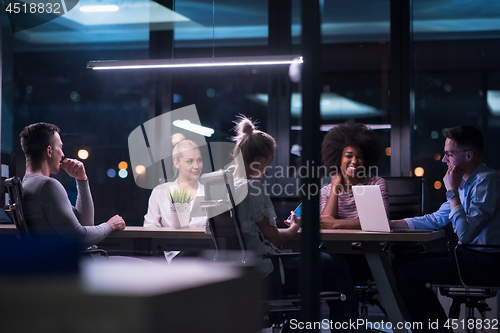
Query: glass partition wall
{"type": "Point", "coordinates": [96, 111]}
{"type": "Point", "coordinates": [44, 78]}
{"type": "Point", "coordinates": [455, 82]}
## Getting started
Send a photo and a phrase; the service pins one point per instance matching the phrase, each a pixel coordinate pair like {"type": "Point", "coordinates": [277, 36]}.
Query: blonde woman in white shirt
{"type": "Point", "coordinates": [188, 164]}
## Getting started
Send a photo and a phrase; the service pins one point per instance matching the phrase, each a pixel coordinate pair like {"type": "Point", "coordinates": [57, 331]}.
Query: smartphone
{"type": "Point", "coordinates": [297, 211]}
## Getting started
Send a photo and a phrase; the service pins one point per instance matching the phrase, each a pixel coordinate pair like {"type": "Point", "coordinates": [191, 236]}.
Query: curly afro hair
{"type": "Point", "coordinates": [348, 134]}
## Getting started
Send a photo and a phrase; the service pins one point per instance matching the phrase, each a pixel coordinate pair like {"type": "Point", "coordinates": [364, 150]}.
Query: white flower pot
{"type": "Point", "coordinates": [181, 215]}
{"type": "Point", "coordinates": [184, 218]}
{"type": "Point", "coordinates": [182, 207]}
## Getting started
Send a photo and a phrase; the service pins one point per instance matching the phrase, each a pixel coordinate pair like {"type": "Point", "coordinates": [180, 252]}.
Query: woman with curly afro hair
{"type": "Point", "coordinates": [350, 151]}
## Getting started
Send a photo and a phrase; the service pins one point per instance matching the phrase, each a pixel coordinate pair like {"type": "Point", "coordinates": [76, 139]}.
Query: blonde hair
{"type": "Point", "coordinates": [251, 143]}
{"type": "Point", "coordinates": [180, 145]}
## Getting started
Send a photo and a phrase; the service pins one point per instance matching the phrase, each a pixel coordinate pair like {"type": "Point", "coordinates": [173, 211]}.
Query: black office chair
{"type": "Point", "coordinates": [226, 233]}
{"type": "Point", "coordinates": [406, 196]}
{"type": "Point", "coordinates": [15, 211]}
{"type": "Point", "coordinates": [406, 199]}
{"type": "Point", "coordinates": [473, 296]}
{"type": "Point", "coordinates": [15, 207]}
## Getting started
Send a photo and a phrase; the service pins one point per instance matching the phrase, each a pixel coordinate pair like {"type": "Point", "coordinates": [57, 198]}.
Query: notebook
{"type": "Point", "coordinates": [371, 210]}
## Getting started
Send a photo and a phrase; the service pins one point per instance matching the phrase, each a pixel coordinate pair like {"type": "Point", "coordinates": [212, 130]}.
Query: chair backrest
{"type": "Point", "coordinates": [221, 211]}
{"type": "Point", "coordinates": [406, 196]}
{"type": "Point", "coordinates": [15, 207]}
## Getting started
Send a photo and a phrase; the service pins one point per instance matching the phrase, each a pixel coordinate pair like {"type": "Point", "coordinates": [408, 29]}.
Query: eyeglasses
{"type": "Point", "coordinates": [451, 153]}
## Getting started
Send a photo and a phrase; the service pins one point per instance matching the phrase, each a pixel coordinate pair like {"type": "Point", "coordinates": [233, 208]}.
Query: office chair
{"type": "Point", "coordinates": [473, 296]}
{"type": "Point", "coordinates": [406, 196]}
{"type": "Point", "coordinates": [15, 210]}
{"type": "Point", "coordinates": [406, 199]}
{"type": "Point", "coordinates": [226, 233]}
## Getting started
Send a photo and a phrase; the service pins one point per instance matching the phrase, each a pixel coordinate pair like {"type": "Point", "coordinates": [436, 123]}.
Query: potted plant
{"type": "Point", "coordinates": [180, 205]}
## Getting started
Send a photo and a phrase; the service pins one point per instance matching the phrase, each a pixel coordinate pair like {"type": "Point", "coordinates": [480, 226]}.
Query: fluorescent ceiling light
{"type": "Point", "coordinates": [93, 9]}
{"type": "Point", "coordinates": [195, 62]}
{"type": "Point", "coordinates": [379, 126]}
{"type": "Point", "coordinates": [326, 128]}
{"type": "Point", "coordinates": [131, 12]}
{"type": "Point", "coordinates": [195, 128]}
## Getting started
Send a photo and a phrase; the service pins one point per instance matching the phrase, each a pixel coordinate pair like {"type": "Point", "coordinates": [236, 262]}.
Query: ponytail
{"type": "Point", "coordinates": [252, 144]}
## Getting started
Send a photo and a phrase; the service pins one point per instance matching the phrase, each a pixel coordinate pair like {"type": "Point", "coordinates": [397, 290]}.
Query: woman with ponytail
{"type": "Point", "coordinates": [254, 153]}
{"type": "Point", "coordinates": [187, 164]}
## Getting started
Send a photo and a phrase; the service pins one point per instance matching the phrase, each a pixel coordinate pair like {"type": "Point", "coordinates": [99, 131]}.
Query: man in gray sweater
{"type": "Point", "coordinates": [47, 208]}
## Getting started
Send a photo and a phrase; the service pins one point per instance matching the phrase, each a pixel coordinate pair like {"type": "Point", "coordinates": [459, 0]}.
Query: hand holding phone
{"type": "Point", "coordinates": [298, 213]}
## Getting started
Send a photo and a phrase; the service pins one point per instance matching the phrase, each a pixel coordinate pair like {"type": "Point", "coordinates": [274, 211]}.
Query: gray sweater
{"type": "Point", "coordinates": [47, 210]}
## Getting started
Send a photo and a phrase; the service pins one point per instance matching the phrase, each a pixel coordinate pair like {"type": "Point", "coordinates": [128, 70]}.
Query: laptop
{"type": "Point", "coordinates": [196, 210]}
{"type": "Point", "coordinates": [371, 210]}
{"type": "Point", "coordinates": [198, 215]}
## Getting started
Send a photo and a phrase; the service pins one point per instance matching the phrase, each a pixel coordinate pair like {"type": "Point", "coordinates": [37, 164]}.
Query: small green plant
{"type": "Point", "coordinates": [181, 195]}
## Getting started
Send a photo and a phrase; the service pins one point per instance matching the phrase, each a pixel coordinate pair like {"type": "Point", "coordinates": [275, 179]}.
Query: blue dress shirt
{"type": "Point", "coordinates": [477, 220]}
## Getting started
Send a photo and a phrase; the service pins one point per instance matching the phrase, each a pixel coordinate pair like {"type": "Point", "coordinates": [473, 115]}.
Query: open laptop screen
{"type": "Point", "coordinates": [370, 206]}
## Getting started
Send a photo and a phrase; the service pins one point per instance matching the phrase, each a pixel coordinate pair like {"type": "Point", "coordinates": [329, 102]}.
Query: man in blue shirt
{"type": "Point", "coordinates": [473, 208]}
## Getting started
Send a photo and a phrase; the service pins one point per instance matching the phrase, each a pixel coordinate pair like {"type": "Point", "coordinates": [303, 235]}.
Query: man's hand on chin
{"type": "Point", "coordinates": [453, 178]}
{"type": "Point", "coordinates": [74, 168]}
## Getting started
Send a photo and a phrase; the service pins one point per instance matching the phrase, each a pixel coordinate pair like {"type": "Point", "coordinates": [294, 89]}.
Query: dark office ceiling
{"type": "Point", "coordinates": [244, 22]}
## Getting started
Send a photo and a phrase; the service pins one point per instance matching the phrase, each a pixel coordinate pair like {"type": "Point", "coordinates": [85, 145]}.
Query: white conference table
{"type": "Point", "coordinates": [340, 241]}
{"type": "Point", "coordinates": [336, 241]}
{"type": "Point", "coordinates": [147, 239]}
{"type": "Point", "coordinates": [156, 240]}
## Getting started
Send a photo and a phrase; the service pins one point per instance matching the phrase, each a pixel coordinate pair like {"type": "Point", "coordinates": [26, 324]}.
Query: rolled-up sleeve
{"type": "Point", "coordinates": [456, 210]}
{"type": "Point", "coordinates": [410, 223]}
